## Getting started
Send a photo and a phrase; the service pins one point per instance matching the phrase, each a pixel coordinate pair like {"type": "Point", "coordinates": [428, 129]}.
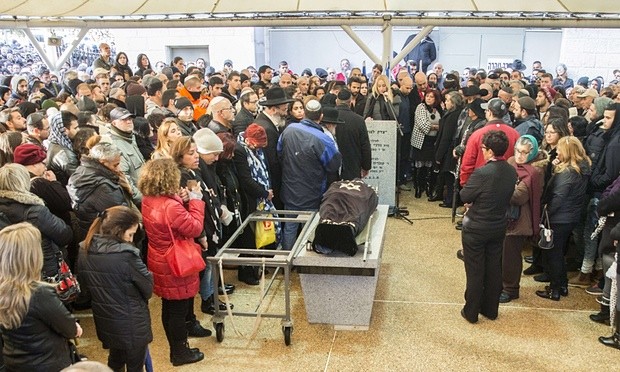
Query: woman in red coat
{"type": "Point", "coordinates": [165, 208]}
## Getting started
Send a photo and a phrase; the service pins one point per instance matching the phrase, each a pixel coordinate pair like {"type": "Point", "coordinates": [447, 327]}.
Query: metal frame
{"type": "Point", "coordinates": [279, 259]}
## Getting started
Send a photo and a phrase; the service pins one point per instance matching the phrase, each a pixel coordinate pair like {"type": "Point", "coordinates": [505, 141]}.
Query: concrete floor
{"type": "Point", "coordinates": [416, 324]}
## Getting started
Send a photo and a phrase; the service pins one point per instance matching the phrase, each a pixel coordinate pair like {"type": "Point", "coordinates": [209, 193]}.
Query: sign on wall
{"type": "Point", "coordinates": [503, 63]}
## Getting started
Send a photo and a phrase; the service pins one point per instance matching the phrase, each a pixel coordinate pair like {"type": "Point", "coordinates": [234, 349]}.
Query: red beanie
{"type": "Point", "coordinates": [549, 93]}
{"type": "Point", "coordinates": [29, 154]}
{"type": "Point", "coordinates": [256, 135]}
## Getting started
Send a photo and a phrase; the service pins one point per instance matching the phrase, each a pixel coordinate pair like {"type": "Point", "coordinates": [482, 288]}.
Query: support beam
{"type": "Point", "coordinates": [373, 57]}
{"type": "Point", "coordinates": [412, 44]}
{"type": "Point", "coordinates": [386, 31]}
{"type": "Point", "coordinates": [70, 48]}
{"type": "Point", "coordinates": [39, 49]}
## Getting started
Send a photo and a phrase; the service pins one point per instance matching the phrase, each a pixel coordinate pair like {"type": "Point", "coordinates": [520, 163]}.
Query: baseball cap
{"type": "Point", "coordinates": [120, 113]}
{"type": "Point", "coordinates": [497, 107]}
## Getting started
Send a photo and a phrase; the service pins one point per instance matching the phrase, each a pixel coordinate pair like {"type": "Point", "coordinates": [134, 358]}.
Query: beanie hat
{"type": "Point", "coordinates": [87, 104]}
{"type": "Point", "coordinates": [182, 102]}
{"type": "Point", "coordinates": [135, 89]}
{"type": "Point", "coordinates": [527, 103]}
{"type": "Point", "coordinates": [256, 135]}
{"type": "Point", "coordinates": [207, 141]}
{"type": "Point", "coordinates": [73, 85]}
{"type": "Point", "coordinates": [29, 154]}
{"type": "Point", "coordinates": [549, 93]}
{"type": "Point", "coordinates": [344, 95]}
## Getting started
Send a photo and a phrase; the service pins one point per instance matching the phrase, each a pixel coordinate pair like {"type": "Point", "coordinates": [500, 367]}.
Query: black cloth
{"type": "Point", "coordinates": [231, 194]}
{"type": "Point", "coordinates": [243, 118]}
{"type": "Point", "coordinates": [218, 127]}
{"type": "Point", "coordinates": [55, 233]}
{"type": "Point", "coordinates": [553, 259]}
{"type": "Point", "coordinates": [360, 104]}
{"type": "Point", "coordinates": [423, 54]}
{"type": "Point", "coordinates": [174, 314]}
{"type": "Point", "coordinates": [345, 210]}
{"type": "Point", "coordinates": [55, 196]}
{"type": "Point", "coordinates": [187, 127]}
{"type": "Point", "coordinates": [353, 143]}
{"type": "Point", "coordinates": [120, 287]}
{"type": "Point", "coordinates": [565, 194]}
{"type": "Point", "coordinates": [271, 155]}
{"type": "Point", "coordinates": [607, 166]}
{"type": "Point", "coordinates": [133, 359]}
{"type": "Point", "coordinates": [41, 341]}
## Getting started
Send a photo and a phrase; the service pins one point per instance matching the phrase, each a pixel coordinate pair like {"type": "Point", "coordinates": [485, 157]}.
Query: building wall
{"type": "Point", "coordinates": [235, 43]}
{"type": "Point", "coordinates": [591, 52]}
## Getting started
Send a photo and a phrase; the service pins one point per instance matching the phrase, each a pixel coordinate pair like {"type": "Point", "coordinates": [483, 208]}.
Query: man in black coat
{"type": "Point", "coordinates": [245, 116]}
{"type": "Point", "coordinates": [273, 119]}
{"type": "Point", "coordinates": [352, 139]}
{"type": "Point", "coordinates": [488, 192]}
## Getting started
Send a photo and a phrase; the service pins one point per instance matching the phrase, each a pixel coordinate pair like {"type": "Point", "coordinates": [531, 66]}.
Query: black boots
{"type": "Point", "coordinates": [421, 181]}
{"type": "Point", "coordinates": [194, 329]}
{"type": "Point", "coordinates": [180, 354]}
{"type": "Point", "coordinates": [602, 316]}
{"type": "Point", "coordinates": [614, 339]}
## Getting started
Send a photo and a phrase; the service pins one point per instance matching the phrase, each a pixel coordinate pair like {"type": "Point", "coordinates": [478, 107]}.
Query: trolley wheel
{"type": "Point", "coordinates": [219, 331]}
{"type": "Point", "coordinates": [287, 335]}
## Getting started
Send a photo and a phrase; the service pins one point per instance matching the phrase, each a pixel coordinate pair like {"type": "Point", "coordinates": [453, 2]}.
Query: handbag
{"type": "Point", "coordinates": [264, 231]}
{"type": "Point", "coordinates": [546, 233]}
{"type": "Point", "coordinates": [184, 256]}
{"type": "Point", "coordinates": [67, 286]}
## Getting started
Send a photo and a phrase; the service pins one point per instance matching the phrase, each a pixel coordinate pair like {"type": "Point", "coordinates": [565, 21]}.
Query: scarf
{"type": "Point", "coordinates": [258, 171]}
{"type": "Point", "coordinates": [58, 133]}
{"type": "Point", "coordinates": [127, 136]}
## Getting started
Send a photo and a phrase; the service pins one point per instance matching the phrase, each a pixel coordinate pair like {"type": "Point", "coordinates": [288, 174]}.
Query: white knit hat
{"type": "Point", "coordinates": [207, 141]}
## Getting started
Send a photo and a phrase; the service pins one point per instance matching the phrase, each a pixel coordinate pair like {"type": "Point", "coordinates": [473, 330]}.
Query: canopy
{"type": "Point", "coordinates": [230, 13]}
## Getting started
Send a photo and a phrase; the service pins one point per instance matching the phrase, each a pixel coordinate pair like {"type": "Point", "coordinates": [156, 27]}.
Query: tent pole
{"type": "Point", "coordinates": [360, 43]}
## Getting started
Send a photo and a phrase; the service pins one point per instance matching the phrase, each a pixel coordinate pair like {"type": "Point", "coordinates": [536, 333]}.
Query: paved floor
{"type": "Point", "coordinates": [416, 325]}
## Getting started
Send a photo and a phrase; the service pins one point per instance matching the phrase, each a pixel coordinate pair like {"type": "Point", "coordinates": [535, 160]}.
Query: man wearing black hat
{"type": "Point", "coordinates": [310, 160]}
{"type": "Point", "coordinates": [121, 135]}
{"type": "Point", "coordinates": [273, 119]}
{"type": "Point", "coordinates": [352, 139]}
{"type": "Point", "coordinates": [473, 157]}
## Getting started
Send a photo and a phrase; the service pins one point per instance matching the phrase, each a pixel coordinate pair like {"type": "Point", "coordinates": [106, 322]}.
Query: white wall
{"type": "Point", "coordinates": [235, 43]}
{"type": "Point", "coordinates": [591, 52]}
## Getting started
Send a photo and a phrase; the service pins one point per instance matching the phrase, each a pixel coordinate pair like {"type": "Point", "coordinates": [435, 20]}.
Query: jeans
{"type": "Point", "coordinates": [590, 246]}
{"type": "Point", "coordinates": [132, 358]}
{"type": "Point", "coordinates": [554, 257]}
{"type": "Point", "coordinates": [206, 282]}
{"type": "Point", "coordinates": [290, 229]}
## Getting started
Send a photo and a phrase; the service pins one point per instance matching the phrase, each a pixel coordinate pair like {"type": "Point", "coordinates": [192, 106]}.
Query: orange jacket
{"type": "Point", "coordinates": [198, 111]}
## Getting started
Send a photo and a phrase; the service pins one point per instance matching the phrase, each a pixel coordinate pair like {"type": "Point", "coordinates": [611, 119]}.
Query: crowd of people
{"type": "Point", "coordinates": [110, 170]}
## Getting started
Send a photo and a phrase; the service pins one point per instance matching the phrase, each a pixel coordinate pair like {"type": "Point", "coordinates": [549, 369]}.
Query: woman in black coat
{"type": "Point", "coordinates": [443, 149]}
{"type": "Point", "coordinates": [35, 325]}
{"type": "Point", "coordinates": [20, 205]}
{"type": "Point", "coordinates": [120, 287]}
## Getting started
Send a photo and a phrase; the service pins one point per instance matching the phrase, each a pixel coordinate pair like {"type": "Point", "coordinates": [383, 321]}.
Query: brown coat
{"type": "Point", "coordinates": [521, 197]}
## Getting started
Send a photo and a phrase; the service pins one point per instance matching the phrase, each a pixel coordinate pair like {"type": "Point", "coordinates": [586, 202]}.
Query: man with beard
{"type": "Point", "coordinates": [358, 101]}
{"type": "Point", "coordinates": [273, 119]}
{"type": "Point", "coordinates": [245, 116]}
{"type": "Point", "coordinates": [526, 121]}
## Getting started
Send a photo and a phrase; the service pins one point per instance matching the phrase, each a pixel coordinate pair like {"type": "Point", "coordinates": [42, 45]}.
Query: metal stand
{"type": "Point", "coordinates": [398, 211]}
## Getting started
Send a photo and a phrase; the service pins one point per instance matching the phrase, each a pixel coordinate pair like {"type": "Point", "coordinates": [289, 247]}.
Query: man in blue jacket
{"type": "Point", "coordinates": [310, 162]}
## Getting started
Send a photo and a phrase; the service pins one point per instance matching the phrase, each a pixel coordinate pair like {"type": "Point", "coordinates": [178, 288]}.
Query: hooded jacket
{"type": "Point", "coordinates": [120, 287]}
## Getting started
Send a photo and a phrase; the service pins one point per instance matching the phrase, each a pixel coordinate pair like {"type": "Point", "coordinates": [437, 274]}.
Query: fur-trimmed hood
{"type": "Point", "coordinates": [541, 160]}
{"type": "Point", "coordinates": [23, 198]}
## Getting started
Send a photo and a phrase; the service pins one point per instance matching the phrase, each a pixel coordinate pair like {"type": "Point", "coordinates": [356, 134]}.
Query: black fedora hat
{"type": "Point", "coordinates": [330, 116]}
{"type": "Point", "coordinates": [275, 96]}
{"type": "Point", "coordinates": [517, 65]}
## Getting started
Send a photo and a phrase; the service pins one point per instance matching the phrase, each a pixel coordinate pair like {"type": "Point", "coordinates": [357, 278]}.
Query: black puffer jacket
{"type": "Point", "coordinates": [40, 343]}
{"type": "Point", "coordinates": [565, 193]}
{"type": "Point", "coordinates": [120, 287]}
{"type": "Point", "coordinates": [94, 188]}
{"type": "Point", "coordinates": [55, 233]}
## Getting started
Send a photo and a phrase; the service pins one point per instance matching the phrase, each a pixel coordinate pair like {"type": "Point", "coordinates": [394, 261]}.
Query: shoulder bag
{"type": "Point", "coordinates": [184, 256]}
{"type": "Point", "coordinates": [546, 233]}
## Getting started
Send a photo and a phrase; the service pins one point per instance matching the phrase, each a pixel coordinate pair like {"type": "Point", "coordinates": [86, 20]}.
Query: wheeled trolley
{"type": "Point", "coordinates": [274, 258]}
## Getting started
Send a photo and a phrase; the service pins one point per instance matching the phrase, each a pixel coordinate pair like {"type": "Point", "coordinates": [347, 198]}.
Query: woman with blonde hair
{"type": "Point", "coordinates": [562, 202]}
{"type": "Point", "coordinates": [172, 214]}
{"type": "Point", "coordinates": [20, 205]}
{"type": "Point", "coordinates": [119, 285]}
{"type": "Point", "coordinates": [35, 325]}
{"type": "Point", "coordinates": [381, 103]}
{"type": "Point", "coordinates": [167, 132]}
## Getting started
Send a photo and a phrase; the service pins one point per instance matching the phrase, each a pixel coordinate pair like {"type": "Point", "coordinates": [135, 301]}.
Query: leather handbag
{"type": "Point", "coordinates": [67, 286]}
{"type": "Point", "coordinates": [184, 256]}
{"type": "Point", "coordinates": [545, 240]}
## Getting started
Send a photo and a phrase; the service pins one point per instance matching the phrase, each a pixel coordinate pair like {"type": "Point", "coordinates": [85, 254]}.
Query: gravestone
{"type": "Point", "coordinates": [382, 176]}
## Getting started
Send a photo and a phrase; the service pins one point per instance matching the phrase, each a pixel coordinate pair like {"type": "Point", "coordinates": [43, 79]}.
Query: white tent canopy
{"type": "Point", "coordinates": [159, 13]}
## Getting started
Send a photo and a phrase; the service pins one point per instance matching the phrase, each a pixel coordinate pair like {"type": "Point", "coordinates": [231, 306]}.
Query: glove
{"type": "Point", "coordinates": [226, 216]}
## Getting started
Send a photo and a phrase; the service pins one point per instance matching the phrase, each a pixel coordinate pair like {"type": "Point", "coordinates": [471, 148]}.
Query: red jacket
{"type": "Point", "coordinates": [473, 158]}
{"type": "Point", "coordinates": [185, 222]}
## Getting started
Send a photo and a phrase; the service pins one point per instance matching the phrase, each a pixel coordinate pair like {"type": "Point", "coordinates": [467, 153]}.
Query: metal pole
{"type": "Point", "coordinates": [373, 57]}
{"type": "Point", "coordinates": [39, 49]}
{"type": "Point", "coordinates": [412, 44]}
{"type": "Point", "coordinates": [70, 48]}
{"type": "Point", "coordinates": [387, 42]}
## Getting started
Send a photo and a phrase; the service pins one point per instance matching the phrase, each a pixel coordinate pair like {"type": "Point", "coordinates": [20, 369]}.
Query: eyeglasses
{"type": "Point", "coordinates": [524, 153]}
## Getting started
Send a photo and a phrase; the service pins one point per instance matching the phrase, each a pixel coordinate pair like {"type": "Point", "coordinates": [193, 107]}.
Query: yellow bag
{"type": "Point", "coordinates": [265, 233]}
